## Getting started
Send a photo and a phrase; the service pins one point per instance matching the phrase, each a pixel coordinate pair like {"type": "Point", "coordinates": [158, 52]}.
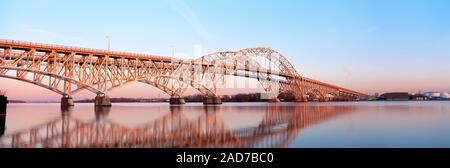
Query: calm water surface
{"type": "Point", "coordinates": [294, 125]}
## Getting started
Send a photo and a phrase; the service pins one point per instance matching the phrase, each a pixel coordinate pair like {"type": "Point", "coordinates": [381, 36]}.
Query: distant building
{"type": "Point", "coordinates": [395, 96]}
{"type": "Point", "coordinates": [418, 97]}
{"type": "Point", "coordinates": [437, 95]}
{"type": "Point", "coordinates": [433, 95]}
{"type": "Point", "coordinates": [445, 95]}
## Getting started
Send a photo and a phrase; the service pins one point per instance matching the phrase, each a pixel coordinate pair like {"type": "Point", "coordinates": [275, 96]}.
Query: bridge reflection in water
{"type": "Point", "coordinates": [279, 126]}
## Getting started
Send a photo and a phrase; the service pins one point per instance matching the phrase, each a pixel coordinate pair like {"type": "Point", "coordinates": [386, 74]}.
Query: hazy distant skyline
{"type": "Point", "coordinates": [365, 45]}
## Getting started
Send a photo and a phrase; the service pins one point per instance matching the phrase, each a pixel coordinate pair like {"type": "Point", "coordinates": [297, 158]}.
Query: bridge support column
{"type": "Point", "coordinates": [176, 100]}
{"type": "Point", "coordinates": [302, 99]}
{"type": "Point", "coordinates": [274, 100]}
{"type": "Point", "coordinates": [212, 100]}
{"type": "Point", "coordinates": [102, 100]}
{"type": "Point", "coordinates": [323, 99]}
{"type": "Point", "coordinates": [2, 124]}
{"type": "Point", "coordinates": [66, 101]}
{"type": "Point", "coordinates": [3, 103]}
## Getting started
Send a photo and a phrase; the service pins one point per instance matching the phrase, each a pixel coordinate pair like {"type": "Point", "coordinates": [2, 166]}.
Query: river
{"type": "Point", "coordinates": [243, 125]}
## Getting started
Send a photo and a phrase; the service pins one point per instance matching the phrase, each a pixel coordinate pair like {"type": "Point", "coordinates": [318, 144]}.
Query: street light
{"type": "Point", "coordinates": [109, 43]}
{"type": "Point", "coordinates": [173, 51]}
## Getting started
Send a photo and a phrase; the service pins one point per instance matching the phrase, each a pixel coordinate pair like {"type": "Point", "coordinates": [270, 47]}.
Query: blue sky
{"type": "Point", "coordinates": [367, 45]}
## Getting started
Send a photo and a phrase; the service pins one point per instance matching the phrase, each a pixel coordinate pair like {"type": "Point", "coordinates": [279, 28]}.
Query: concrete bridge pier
{"type": "Point", "coordinates": [102, 100]}
{"type": "Point", "coordinates": [2, 124]}
{"type": "Point", "coordinates": [338, 98]}
{"type": "Point", "coordinates": [323, 99]}
{"type": "Point", "coordinates": [212, 100]}
{"type": "Point", "coordinates": [177, 101]}
{"type": "Point", "coordinates": [66, 101]}
{"type": "Point", "coordinates": [301, 99]}
{"type": "Point", "coordinates": [345, 98]}
{"type": "Point", "coordinates": [3, 104]}
{"type": "Point", "coordinates": [274, 100]}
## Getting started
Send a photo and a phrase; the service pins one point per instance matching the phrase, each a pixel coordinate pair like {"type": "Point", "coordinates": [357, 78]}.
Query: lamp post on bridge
{"type": "Point", "coordinates": [173, 51]}
{"type": "Point", "coordinates": [109, 43]}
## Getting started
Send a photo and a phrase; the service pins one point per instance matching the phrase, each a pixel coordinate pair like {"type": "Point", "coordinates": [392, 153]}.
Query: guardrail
{"type": "Point", "coordinates": [80, 49]}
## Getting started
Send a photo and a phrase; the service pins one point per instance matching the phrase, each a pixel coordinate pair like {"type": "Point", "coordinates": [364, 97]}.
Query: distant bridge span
{"type": "Point", "coordinates": [67, 70]}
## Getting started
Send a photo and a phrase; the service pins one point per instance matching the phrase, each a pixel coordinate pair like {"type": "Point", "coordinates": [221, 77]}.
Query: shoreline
{"type": "Point", "coordinates": [138, 102]}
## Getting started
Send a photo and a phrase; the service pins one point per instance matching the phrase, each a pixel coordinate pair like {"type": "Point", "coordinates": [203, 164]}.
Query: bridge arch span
{"type": "Point", "coordinates": [113, 87]}
{"type": "Point", "coordinates": [32, 82]}
{"type": "Point", "coordinates": [333, 93]}
{"type": "Point", "coordinates": [194, 84]}
{"type": "Point", "coordinates": [254, 53]}
{"type": "Point", "coordinates": [262, 60]}
{"type": "Point", "coordinates": [175, 92]}
{"type": "Point", "coordinates": [46, 83]}
{"type": "Point", "coordinates": [315, 93]}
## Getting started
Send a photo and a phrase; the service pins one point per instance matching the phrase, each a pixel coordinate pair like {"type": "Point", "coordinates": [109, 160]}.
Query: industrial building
{"type": "Point", "coordinates": [437, 95]}
{"type": "Point", "coordinates": [395, 96]}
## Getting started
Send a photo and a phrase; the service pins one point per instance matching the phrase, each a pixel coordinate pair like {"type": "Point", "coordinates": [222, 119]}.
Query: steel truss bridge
{"type": "Point", "coordinates": [279, 126]}
{"type": "Point", "coordinates": [68, 70]}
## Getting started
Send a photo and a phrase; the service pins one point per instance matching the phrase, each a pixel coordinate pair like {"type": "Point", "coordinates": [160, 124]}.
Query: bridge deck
{"type": "Point", "coordinates": [81, 51]}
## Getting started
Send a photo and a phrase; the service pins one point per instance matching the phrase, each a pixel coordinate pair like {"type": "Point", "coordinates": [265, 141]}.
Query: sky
{"type": "Point", "coordinates": [372, 46]}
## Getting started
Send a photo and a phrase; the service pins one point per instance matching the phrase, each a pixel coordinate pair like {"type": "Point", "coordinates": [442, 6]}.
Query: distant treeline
{"type": "Point", "coordinates": [124, 100]}
{"type": "Point", "coordinates": [16, 101]}
{"type": "Point", "coordinates": [249, 97]}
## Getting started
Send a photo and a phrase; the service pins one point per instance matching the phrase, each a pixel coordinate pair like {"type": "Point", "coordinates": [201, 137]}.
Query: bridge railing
{"type": "Point", "coordinates": [62, 47]}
